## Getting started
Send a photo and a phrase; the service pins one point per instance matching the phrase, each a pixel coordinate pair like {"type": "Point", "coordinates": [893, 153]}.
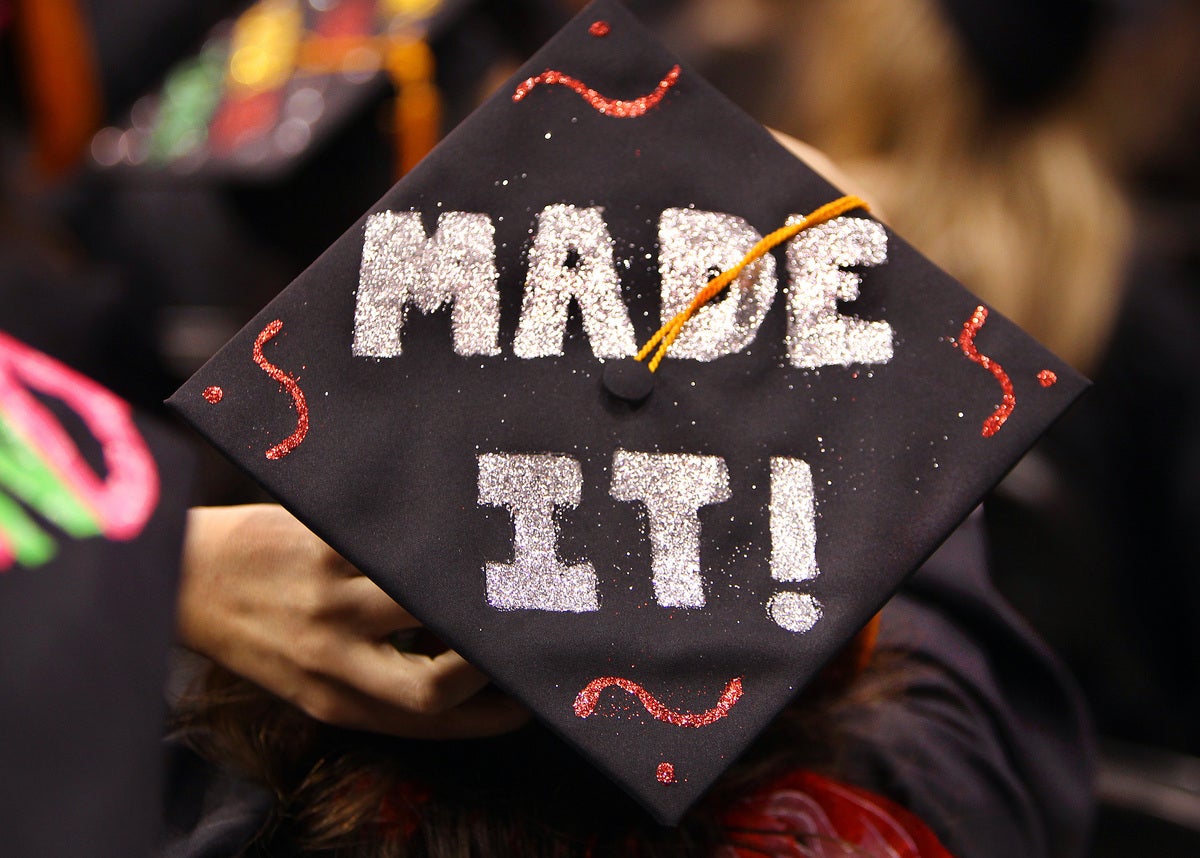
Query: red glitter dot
{"type": "Point", "coordinates": [600, 29]}
{"type": "Point", "coordinates": [1047, 378]}
{"type": "Point", "coordinates": [213, 394]}
{"type": "Point", "coordinates": [665, 773]}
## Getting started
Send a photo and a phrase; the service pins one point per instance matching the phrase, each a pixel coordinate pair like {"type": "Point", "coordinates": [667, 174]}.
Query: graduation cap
{"type": "Point", "coordinates": [655, 563]}
{"type": "Point", "coordinates": [273, 84]}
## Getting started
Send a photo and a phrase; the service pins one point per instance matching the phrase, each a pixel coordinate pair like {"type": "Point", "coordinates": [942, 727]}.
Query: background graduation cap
{"type": "Point", "coordinates": [271, 86]}
{"type": "Point", "coordinates": [655, 577]}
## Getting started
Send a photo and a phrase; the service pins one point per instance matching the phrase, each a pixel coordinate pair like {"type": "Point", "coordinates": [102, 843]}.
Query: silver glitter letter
{"type": "Point", "coordinates": [400, 266]}
{"type": "Point", "coordinates": [793, 542]}
{"type": "Point", "coordinates": [691, 244]}
{"type": "Point", "coordinates": [531, 486]}
{"type": "Point", "coordinates": [673, 487]}
{"type": "Point", "coordinates": [818, 335]}
{"type": "Point", "coordinates": [572, 257]}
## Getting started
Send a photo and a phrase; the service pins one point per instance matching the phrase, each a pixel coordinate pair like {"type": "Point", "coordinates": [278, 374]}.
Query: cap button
{"type": "Point", "coordinates": [628, 379]}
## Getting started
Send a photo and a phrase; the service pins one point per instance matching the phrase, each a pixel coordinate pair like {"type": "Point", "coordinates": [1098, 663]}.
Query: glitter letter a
{"type": "Point", "coordinates": [572, 257]}
{"type": "Point", "coordinates": [531, 486]}
{"type": "Point", "coordinates": [400, 266]}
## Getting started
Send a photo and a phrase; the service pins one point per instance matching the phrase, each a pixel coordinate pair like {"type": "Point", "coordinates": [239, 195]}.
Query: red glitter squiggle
{"type": "Point", "coordinates": [1009, 399]}
{"type": "Point", "coordinates": [292, 441]}
{"type": "Point", "coordinates": [586, 700]}
{"type": "Point", "coordinates": [602, 104]}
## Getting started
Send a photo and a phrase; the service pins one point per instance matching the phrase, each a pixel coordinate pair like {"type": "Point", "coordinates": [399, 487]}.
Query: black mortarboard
{"type": "Point", "coordinates": [654, 573]}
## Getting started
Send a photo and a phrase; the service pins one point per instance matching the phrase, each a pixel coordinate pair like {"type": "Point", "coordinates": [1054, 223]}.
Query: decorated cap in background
{"type": "Point", "coordinates": [272, 84]}
{"type": "Point", "coordinates": [654, 562]}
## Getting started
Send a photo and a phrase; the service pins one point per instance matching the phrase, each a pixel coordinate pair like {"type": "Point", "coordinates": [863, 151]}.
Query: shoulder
{"type": "Point", "coordinates": [987, 740]}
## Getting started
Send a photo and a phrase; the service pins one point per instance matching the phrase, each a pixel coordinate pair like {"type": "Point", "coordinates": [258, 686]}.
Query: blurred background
{"type": "Point", "coordinates": [168, 166]}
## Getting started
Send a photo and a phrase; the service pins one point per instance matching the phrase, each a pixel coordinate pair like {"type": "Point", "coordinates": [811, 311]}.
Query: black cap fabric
{"type": "Point", "coordinates": [657, 574]}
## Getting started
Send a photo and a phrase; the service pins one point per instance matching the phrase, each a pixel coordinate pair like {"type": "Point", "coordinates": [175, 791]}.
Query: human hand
{"type": "Point", "coordinates": [262, 596]}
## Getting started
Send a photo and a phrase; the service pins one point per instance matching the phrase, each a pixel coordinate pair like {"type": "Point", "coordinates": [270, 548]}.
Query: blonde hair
{"type": "Point", "coordinates": [1020, 208]}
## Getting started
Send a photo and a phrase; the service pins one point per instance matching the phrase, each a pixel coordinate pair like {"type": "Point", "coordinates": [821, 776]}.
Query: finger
{"type": "Point", "coordinates": [455, 677]}
{"type": "Point", "coordinates": [408, 681]}
{"type": "Point", "coordinates": [336, 563]}
{"type": "Point", "coordinates": [437, 684]}
{"type": "Point", "coordinates": [369, 610]}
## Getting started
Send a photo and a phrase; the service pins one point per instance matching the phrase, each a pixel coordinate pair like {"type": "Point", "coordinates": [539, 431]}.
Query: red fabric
{"type": "Point", "coordinates": [803, 815]}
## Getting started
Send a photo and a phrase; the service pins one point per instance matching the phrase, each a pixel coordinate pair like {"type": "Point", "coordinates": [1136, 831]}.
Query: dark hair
{"type": "Point", "coordinates": [346, 794]}
{"type": "Point", "coordinates": [1026, 52]}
